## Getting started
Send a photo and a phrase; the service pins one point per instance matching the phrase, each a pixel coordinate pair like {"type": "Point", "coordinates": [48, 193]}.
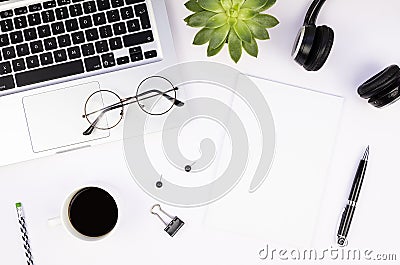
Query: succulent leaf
{"type": "Point", "coordinates": [243, 31]}
{"type": "Point", "coordinates": [219, 36]}
{"type": "Point", "coordinates": [259, 32]}
{"type": "Point", "coordinates": [254, 4]}
{"type": "Point", "coordinates": [193, 6]}
{"type": "Point", "coordinates": [200, 19]}
{"type": "Point", "coordinates": [211, 5]}
{"type": "Point", "coordinates": [232, 21]}
{"type": "Point", "coordinates": [251, 47]}
{"type": "Point", "coordinates": [237, 3]}
{"type": "Point", "coordinates": [266, 20]}
{"type": "Point", "coordinates": [187, 18]}
{"type": "Point", "coordinates": [226, 4]}
{"type": "Point", "coordinates": [247, 13]}
{"type": "Point", "coordinates": [217, 21]}
{"type": "Point", "coordinates": [267, 5]}
{"type": "Point", "coordinates": [212, 52]}
{"type": "Point", "coordinates": [203, 36]}
{"type": "Point", "coordinates": [235, 46]}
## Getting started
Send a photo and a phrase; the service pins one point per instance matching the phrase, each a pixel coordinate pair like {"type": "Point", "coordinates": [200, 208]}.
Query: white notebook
{"type": "Point", "coordinates": [284, 210]}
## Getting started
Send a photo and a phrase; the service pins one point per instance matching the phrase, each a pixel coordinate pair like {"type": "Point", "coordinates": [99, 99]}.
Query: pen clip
{"type": "Point", "coordinates": [337, 230]}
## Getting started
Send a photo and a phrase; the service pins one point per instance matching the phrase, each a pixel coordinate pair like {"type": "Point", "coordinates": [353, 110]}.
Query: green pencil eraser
{"type": "Point", "coordinates": [18, 204]}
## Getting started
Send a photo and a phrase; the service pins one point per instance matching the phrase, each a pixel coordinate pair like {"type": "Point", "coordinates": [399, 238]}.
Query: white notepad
{"type": "Point", "coordinates": [284, 210]}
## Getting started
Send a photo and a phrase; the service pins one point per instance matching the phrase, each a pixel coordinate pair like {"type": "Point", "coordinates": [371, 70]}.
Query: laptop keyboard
{"type": "Point", "coordinates": [63, 38]}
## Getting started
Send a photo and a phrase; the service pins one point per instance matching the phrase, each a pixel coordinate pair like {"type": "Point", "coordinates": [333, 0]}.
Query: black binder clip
{"type": "Point", "coordinates": [173, 226]}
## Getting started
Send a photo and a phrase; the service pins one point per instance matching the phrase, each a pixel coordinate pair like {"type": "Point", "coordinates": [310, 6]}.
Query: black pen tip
{"type": "Point", "coordinates": [366, 154]}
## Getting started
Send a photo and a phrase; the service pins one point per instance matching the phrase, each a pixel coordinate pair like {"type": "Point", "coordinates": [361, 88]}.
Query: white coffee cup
{"type": "Point", "coordinates": [64, 220]}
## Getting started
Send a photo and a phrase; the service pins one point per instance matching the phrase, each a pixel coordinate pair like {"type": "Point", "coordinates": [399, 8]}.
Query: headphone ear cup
{"type": "Point", "coordinates": [321, 48]}
{"type": "Point", "coordinates": [303, 44]}
{"type": "Point", "coordinates": [385, 98]}
{"type": "Point", "coordinates": [382, 81]}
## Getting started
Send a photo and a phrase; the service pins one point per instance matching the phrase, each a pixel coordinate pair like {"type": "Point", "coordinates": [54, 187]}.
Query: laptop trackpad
{"type": "Point", "coordinates": [55, 118]}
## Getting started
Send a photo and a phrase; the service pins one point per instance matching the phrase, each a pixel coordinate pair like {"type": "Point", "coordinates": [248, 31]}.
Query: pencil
{"type": "Point", "coordinates": [21, 220]}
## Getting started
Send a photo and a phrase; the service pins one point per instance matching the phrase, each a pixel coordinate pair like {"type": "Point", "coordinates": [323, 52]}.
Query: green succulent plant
{"type": "Point", "coordinates": [235, 22]}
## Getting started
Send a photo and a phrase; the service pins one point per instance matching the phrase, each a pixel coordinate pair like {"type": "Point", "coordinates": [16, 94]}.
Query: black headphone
{"type": "Point", "coordinates": [311, 50]}
{"type": "Point", "coordinates": [313, 44]}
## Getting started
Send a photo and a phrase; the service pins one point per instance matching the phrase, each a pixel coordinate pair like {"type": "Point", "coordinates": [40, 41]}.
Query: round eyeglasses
{"type": "Point", "coordinates": [104, 109]}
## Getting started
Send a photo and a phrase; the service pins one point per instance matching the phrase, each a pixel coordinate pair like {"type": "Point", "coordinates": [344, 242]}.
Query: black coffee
{"type": "Point", "coordinates": [93, 212]}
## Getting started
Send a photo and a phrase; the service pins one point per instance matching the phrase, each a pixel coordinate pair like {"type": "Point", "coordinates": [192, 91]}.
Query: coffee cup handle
{"type": "Point", "coordinates": [55, 221]}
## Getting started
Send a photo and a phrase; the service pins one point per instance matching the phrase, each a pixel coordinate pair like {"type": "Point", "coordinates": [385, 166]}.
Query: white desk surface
{"type": "Point", "coordinates": [366, 41]}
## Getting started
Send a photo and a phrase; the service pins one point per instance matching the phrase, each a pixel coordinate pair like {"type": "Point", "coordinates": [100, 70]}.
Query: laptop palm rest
{"type": "Point", "coordinates": [55, 119]}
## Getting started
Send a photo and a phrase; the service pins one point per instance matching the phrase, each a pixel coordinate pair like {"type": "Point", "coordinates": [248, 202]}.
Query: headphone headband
{"type": "Point", "coordinates": [313, 12]}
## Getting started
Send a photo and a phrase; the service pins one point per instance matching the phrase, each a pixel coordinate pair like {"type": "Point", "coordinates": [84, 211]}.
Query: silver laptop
{"type": "Point", "coordinates": [55, 54]}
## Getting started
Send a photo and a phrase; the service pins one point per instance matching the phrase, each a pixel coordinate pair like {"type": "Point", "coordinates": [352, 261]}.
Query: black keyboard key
{"type": "Point", "coordinates": [6, 82]}
{"type": "Point", "coordinates": [34, 19]}
{"type": "Point", "coordinates": [150, 54]}
{"type": "Point", "coordinates": [50, 43]}
{"type": "Point", "coordinates": [127, 12]}
{"type": "Point", "coordinates": [119, 28]}
{"type": "Point", "coordinates": [85, 22]}
{"type": "Point", "coordinates": [20, 22]}
{"type": "Point", "coordinates": [87, 49]}
{"type": "Point", "coordinates": [101, 46]}
{"type": "Point", "coordinates": [63, 2]}
{"type": "Point", "coordinates": [49, 73]}
{"type": "Point", "coordinates": [30, 34]}
{"type": "Point", "coordinates": [21, 10]}
{"type": "Point", "coordinates": [92, 34]}
{"type": "Point", "coordinates": [89, 7]}
{"type": "Point", "coordinates": [138, 56]}
{"type": "Point", "coordinates": [64, 40]}
{"type": "Point", "coordinates": [108, 60]}
{"type": "Point", "coordinates": [62, 13]}
{"type": "Point", "coordinates": [35, 7]}
{"type": "Point", "coordinates": [78, 37]}
{"type": "Point", "coordinates": [60, 56]}
{"type": "Point", "coordinates": [4, 40]}
{"type": "Point", "coordinates": [6, 25]}
{"type": "Point", "coordinates": [135, 50]}
{"type": "Point", "coordinates": [99, 19]}
{"type": "Point", "coordinates": [36, 46]}
{"type": "Point", "coordinates": [32, 61]}
{"type": "Point", "coordinates": [105, 31]}
{"type": "Point", "coordinates": [48, 16]}
{"type": "Point", "coordinates": [74, 53]}
{"type": "Point", "coordinates": [138, 38]}
{"type": "Point", "coordinates": [16, 37]}
{"type": "Point", "coordinates": [8, 53]}
{"type": "Point", "coordinates": [92, 63]}
{"type": "Point", "coordinates": [141, 12]}
{"type": "Point", "coordinates": [71, 25]}
{"type": "Point", "coordinates": [6, 13]}
{"type": "Point", "coordinates": [49, 4]}
{"type": "Point", "coordinates": [22, 49]}
{"type": "Point", "coordinates": [123, 60]}
{"type": "Point", "coordinates": [5, 68]}
{"type": "Point", "coordinates": [115, 43]}
{"type": "Point", "coordinates": [113, 16]}
{"type": "Point", "coordinates": [133, 25]}
{"type": "Point", "coordinates": [46, 58]}
{"type": "Point", "coordinates": [103, 5]}
{"type": "Point", "coordinates": [57, 28]}
{"type": "Point", "coordinates": [44, 31]}
{"type": "Point", "coordinates": [75, 10]}
{"type": "Point", "coordinates": [117, 3]}
{"type": "Point", "coordinates": [130, 2]}
{"type": "Point", "coordinates": [18, 65]}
